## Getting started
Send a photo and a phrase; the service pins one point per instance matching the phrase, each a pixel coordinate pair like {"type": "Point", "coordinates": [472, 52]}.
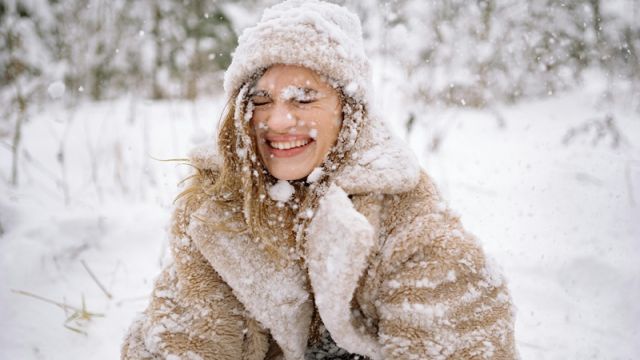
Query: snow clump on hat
{"type": "Point", "coordinates": [318, 35]}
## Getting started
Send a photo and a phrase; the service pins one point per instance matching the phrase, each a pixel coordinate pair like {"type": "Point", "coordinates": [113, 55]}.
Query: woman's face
{"type": "Point", "coordinates": [296, 120]}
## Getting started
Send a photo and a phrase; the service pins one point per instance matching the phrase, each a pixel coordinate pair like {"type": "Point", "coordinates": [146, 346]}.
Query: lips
{"type": "Point", "coordinates": [282, 147]}
{"type": "Point", "coordinates": [286, 145]}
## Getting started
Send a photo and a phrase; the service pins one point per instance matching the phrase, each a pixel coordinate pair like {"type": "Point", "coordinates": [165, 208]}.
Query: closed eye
{"type": "Point", "coordinates": [260, 100]}
{"type": "Point", "coordinates": [307, 97]}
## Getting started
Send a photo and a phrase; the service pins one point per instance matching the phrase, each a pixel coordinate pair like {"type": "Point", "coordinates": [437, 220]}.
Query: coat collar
{"type": "Point", "coordinates": [339, 241]}
{"type": "Point", "coordinates": [277, 298]}
{"type": "Point", "coordinates": [380, 163]}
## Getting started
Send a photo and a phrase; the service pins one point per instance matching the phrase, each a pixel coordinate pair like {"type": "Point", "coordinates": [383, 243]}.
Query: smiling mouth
{"type": "Point", "coordinates": [288, 145]}
{"type": "Point", "coordinates": [287, 149]}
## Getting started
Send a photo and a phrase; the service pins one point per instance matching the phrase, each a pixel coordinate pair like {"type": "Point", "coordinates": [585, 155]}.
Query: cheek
{"type": "Point", "coordinates": [328, 131]}
{"type": "Point", "coordinates": [257, 136]}
{"type": "Point", "coordinates": [258, 126]}
{"type": "Point", "coordinates": [337, 124]}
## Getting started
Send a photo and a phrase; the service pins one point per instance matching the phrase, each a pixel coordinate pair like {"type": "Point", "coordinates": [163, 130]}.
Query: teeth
{"type": "Point", "coordinates": [285, 145]}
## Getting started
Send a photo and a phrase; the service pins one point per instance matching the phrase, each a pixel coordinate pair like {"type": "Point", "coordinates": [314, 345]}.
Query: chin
{"type": "Point", "coordinates": [291, 169]}
{"type": "Point", "coordinates": [287, 175]}
{"type": "Point", "coordinates": [284, 172]}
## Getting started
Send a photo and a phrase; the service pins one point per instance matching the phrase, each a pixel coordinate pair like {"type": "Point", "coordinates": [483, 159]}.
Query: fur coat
{"type": "Point", "coordinates": [389, 269]}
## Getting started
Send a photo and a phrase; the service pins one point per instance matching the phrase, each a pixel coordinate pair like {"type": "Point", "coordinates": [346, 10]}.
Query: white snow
{"type": "Point", "coordinates": [248, 114]}
{"type": "Point", "coordinates": [315, 175]}
{"type": "Point", "coordinates": [351, 88]}
{"type": "Point", "coordinates": [308, 213]}
{"type": "Point", "coordinates": [115, 222]}
{"type": "Point", "coordinates": [281, 191]}
{"type": "Point", "coordinates": [292, 93]}
{"type": "Point", "coordinates": [313, 133]}
{"type": "Point", "coordinates": [295, 93]}
{"type": "Point", "coordinates": [56, 89]}
{"type": "Point", "coordinates": [560, 219]}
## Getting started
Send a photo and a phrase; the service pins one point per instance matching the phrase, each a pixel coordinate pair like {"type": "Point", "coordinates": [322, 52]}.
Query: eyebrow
{"type": "Point", "coordinates": [307, 92]}
{"type": "Point", "coordinates": [297, 92]}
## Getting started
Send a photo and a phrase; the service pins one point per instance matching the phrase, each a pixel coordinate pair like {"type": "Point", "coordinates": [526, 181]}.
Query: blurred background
{"type": "Point", "coordinates": [525, 113]}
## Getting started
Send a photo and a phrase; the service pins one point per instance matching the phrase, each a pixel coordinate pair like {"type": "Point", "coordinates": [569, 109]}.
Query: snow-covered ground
{"type": "Point", "coordinates": [562, 218]}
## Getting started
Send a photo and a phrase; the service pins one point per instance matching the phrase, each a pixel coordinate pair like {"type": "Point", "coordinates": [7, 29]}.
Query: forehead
{"type": "Point", "coordinates": [281, 76]}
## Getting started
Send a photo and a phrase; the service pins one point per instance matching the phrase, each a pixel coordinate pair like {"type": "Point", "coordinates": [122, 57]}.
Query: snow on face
{"type": "Point", "coordinates": [303, 95]}
{"type": "Point", "coordinates": [296, 119]}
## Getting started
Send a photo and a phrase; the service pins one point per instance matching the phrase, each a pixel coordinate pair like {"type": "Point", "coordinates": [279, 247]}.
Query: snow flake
{"type": "Point", "coordinates": [451, 276]}
{"type": "Point", "coordinates": [351, 88]}
{"type": "Point", "coordinates": [295, 93]}
{"type": "Point", "coordinates": [56, 89]}
{"type": "Point", "coordinates": [308, 213]}
{"type": "Point", "coordinates": [281, 191]}
{"type": "Point", "coordinates": [292, 93]}
{"type": "Point", "coordinates": [248, 114]}
{"type": "Point", "coordinates": [393, 284]}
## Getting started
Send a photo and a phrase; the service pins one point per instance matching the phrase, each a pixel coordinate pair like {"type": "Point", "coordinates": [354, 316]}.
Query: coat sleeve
{"type": "Point", "coordinates": [440, 298]}
{"type": "Point", "coordinates": [192, 313]}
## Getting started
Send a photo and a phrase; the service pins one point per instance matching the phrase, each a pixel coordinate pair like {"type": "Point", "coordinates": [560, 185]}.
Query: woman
{"type": "Point", "coordinates": [310, 232]}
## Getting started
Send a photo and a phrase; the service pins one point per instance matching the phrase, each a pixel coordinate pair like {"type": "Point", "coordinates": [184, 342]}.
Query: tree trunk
{"type": "Point", "coordinates": [157, 91]}
{"type": "Point", "coordinates": [17, 135]}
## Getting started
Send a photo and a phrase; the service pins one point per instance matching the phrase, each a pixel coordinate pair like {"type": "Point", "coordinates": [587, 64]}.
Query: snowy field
{"type": "Point", "coordinates": [560, 213]}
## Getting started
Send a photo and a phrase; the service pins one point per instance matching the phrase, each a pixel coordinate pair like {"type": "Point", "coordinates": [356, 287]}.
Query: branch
{"type": "Point", "coordinates": [95, 278]}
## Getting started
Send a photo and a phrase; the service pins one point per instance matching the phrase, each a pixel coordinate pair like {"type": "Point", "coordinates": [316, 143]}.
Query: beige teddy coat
{"type": "Point", "coordinates": [391, 271]}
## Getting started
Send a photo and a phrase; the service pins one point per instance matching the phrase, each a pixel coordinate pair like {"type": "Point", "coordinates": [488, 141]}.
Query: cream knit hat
{"type": "Point", "coordinates": [315, 34]}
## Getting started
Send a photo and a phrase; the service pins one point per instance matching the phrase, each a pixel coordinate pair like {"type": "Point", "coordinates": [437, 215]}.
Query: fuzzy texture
{"type": "Point", "coordinates": [193, 314]}
{"type": "Point", "coordinates": [386, 268]}
{"type": "Point", "coordinates": [391, 270]}
{"type": "Point", "coordinates": [318, 35]}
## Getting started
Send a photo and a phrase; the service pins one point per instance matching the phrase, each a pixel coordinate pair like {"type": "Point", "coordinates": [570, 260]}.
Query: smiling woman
{"type": "Point", "coordinates": [310, 232]}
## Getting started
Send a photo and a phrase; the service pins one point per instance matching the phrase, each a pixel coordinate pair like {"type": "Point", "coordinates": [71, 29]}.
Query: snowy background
{"type": "Point", "coordinates": [526, 114]}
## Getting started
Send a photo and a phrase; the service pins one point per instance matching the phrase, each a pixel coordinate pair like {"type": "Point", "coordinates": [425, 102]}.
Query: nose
{"type": "Point", "coordinates": [280, 119]}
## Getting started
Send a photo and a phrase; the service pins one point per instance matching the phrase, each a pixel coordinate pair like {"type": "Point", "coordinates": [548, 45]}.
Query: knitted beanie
{"type": "Point", "coordinates": [315, 34]}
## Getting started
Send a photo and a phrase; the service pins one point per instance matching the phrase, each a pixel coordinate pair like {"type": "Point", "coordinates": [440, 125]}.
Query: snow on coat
{"type": "Point", "coordinates": [390, 269]}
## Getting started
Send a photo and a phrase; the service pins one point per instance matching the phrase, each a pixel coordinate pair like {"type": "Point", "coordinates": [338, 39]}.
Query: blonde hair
{"type": "Point", "coordinates": [240, 186]}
